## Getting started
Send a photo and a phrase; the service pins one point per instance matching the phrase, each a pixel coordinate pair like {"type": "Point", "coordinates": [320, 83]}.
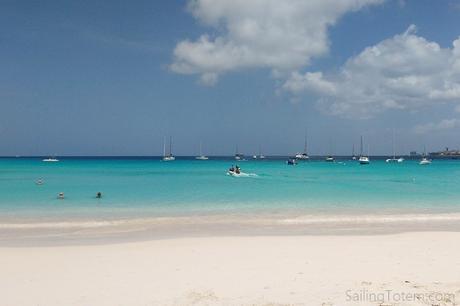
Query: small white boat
{"type": "Point", "coordinates": [50, 160]}
{"type": "Point", "coordinates": [302, 156]}
{"type": "Point", "coordinates": [394, 160]}
{"type": "Point", "coordinates": [169, 156]}
{"type": "Point", "coordinates": [425, 161]}
{"type": "Point", "coordinates": [291, 161]}
{"type": "Point", "coordinates": [329, 159]}
{"type": "Point", "coordinates": [201, 157]}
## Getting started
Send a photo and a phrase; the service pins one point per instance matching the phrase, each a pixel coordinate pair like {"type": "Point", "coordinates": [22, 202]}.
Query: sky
{"type": "Point", "coordinates": [116, 77]}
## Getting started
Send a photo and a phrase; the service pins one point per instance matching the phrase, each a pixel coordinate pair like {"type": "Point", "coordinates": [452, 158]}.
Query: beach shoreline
{"type": "Point", "coordinates": [102, 230]}
{"type": "Point", "coordinates": [238, 270]}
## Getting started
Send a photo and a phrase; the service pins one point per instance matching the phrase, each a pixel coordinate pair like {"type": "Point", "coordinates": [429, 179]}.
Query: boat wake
{"type": "Point", "coordinates": [241, 174]}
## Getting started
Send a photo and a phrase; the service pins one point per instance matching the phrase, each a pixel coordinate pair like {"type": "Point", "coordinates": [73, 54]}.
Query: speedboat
{"type": "Point", "coordinates": [425, 161]}
{"type": "Point", "coordinates": [364, 160]}
{"type": "Point", "coordinates": [330, 159]}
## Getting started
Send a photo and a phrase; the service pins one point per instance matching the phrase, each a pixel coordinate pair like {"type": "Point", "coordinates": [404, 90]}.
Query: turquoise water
{"type": "Point", "coordinates": [149, 187]}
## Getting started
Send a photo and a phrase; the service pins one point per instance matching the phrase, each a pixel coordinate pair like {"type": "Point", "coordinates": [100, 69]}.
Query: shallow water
{"type": "Point", "coordinates": [148, 187]}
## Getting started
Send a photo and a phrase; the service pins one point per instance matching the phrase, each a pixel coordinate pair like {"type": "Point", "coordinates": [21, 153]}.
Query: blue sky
{"type": "Point", "coordinates": [114, 77]}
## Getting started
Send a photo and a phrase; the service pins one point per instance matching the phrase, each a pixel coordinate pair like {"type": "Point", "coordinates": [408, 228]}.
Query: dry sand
{"type": "Point", "coordinates": [248, 270]}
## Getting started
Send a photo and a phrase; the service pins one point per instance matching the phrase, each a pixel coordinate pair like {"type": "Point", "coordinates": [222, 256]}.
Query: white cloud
{"type": "Point", "coordinates": [279, 35]}
{"type": "Point", "coordinates": [403, 72]}
{"type": "Point", "coordinates": [445, 124]}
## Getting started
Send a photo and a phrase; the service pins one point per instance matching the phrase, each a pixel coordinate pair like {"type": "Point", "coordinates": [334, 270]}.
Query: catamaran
{"type": "Point", "coordinates": [394, 159]}
{"type": "Point", "coordinates": [169, 156]}
{"type": "Point", "coordinates": [363, 160]}
{"type": "Point", "coordinates": [304, 155]}
{"type": "Point", "coordinates": [201, 157]}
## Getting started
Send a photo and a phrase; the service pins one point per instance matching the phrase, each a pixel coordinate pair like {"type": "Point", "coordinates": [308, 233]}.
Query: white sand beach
{"type": "Point", "coordinates": [418, 268]}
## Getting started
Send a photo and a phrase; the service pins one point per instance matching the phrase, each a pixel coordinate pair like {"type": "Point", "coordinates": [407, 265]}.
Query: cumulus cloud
{"type": "Point", "coordinates": [279, 35]}
{"type": "Point", "coordinates": [445, 124]}
{"type": "Point", "coordinates": [403, 72]}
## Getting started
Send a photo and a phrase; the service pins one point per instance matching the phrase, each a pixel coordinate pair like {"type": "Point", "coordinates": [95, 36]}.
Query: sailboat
{"type": "Point", "coordinates": [363, 160]}
{"type": "Point", "coordinates": [353, 156]}
{"type": "Point", "coordinates": [304, 155]}
{"type": "Point", "coordinates": [260, 156]}
{"type": "Point", "coordinates": [330, 158]}
{"type": "Point", "coordinates": [169, 156]}
{"type": "Point", "coordinates": [238, 156]}
{"type": "Point", "coordinates": [394, 159]}
{"type": "Point", "coordinates": [201, 157]}
{"type": "Point", "coordinates": [424, 160]}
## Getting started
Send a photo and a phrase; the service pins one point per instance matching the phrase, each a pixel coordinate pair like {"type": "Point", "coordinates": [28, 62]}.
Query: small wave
{"type": "Point", "coordinates": [61, 225]}
{"type": "Point", "coordinates": [371, 219]}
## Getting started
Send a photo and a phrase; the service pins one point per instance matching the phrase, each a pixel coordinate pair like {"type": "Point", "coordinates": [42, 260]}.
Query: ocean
{"type": "Point", "coordinates": [138, 187]}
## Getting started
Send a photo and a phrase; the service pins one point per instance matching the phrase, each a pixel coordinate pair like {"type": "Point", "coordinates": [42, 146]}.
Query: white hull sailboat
{"type": "Point", "coordinates": [304, 155]}
{"type": "Point", "coordinates": [238, 156]}
{"type": "Point", "coordinates": [364, 160]}
{"type": "Point", "coordinates": [169, 156]}
{"type": "Point", "coordinates": [260, 156]}
{"type": "Point", "coordinates": [394, 159]}
{"type": "Point", "coordinates": [425, 160]}
{"type": "Point", "coordinates": [201, 157]}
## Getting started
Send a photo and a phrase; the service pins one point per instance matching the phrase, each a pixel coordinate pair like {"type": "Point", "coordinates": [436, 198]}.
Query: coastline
{"type": "Point", "coordinates": [55, 231]}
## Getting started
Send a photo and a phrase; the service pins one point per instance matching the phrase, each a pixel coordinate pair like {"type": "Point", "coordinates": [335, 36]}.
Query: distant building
{"type": "Point", "coordinates": [447, 153]}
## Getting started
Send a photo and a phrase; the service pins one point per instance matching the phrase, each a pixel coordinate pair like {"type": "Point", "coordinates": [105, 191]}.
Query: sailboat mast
{"type": "Point", "coordinates": [305, 145]}
{"type": "Point", "coordinates": [170, 145]}
{"type": "Point", "coordinates": [394, 150]}
{"type": "Point", "coordinates": [201, 149]}
{"type": "Point", "coordinates": [164, 146]}
{"type": "Point", "coordinates": [361, 145]}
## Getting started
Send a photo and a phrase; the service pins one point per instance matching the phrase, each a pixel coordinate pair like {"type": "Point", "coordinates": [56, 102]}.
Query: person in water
{"type": "Point", "coordinates": [61, 195]}
{"type": "Point", "coordinates": [99, 195]}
